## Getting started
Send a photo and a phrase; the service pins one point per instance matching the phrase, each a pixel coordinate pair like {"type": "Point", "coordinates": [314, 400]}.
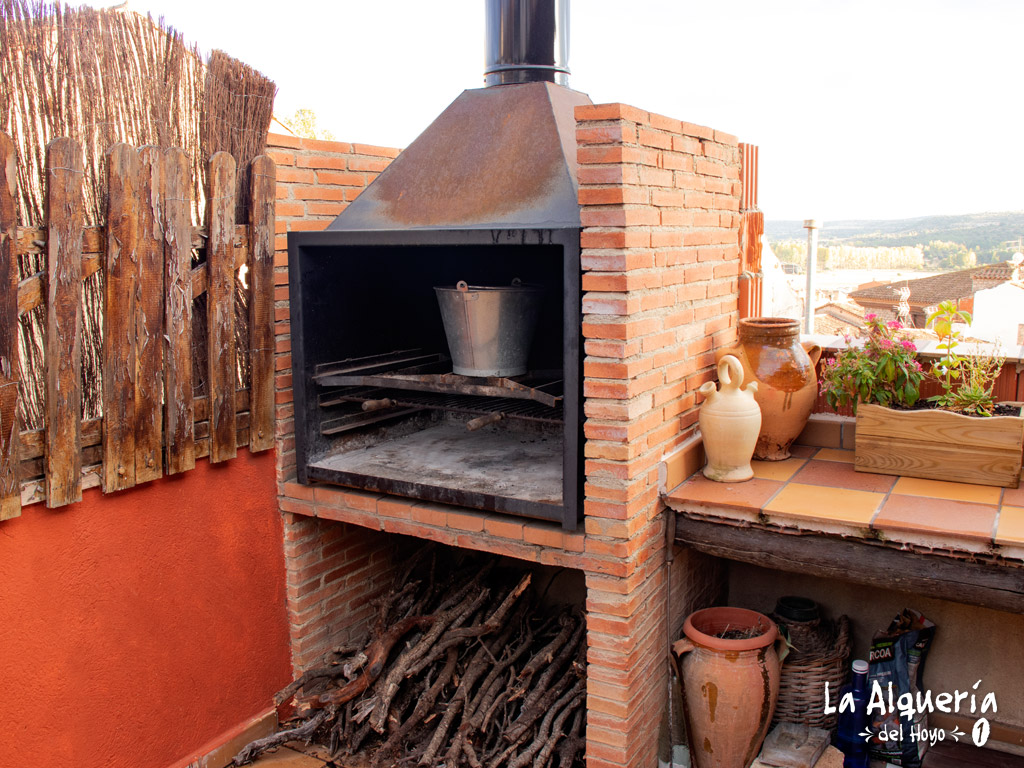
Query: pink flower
{"type": "Point", "coordinates": [894, 324]}
{"type": "Point", "coordinates": [908, 345]}
{"type": "Point", "coordinates": [917, 365]}
{"type": "Point", "coordinates": [886, 344]}
{"type": "Point", "coordinates": [870, 316]}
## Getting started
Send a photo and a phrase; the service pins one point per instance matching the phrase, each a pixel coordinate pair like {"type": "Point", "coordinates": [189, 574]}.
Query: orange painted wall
{"type": "Point", "coordinates": [138, 626]}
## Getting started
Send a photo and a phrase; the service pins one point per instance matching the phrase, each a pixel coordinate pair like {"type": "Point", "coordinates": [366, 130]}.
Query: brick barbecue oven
{"type": "Point", "coordinates": [487, 195]}
{"type": "Point", "coordinates": [630, 221]}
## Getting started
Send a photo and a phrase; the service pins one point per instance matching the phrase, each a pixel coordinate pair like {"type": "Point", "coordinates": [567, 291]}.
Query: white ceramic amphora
{"type": "Point", "coordinates": [730, 420]}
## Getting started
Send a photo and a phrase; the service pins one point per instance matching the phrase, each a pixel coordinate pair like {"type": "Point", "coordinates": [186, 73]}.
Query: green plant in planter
{"type": "Point", "coordinates": [967, 380]}
{"type": "Point", "coordinates": [941, 321]}
{"type": "Point", "coordinates": [884, 370]}
{"type": "Point", "coordinates": [972, 394]}
{"type": "Point", "coordinates": [881, 377]}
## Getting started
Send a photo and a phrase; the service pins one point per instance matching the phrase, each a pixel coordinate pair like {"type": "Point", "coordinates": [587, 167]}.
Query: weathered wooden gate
{"type": "Point", "coordinates": [152, 424]}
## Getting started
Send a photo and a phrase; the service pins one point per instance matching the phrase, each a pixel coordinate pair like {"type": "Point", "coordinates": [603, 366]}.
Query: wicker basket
{"type": "Point", "coordinates": [802, 686]}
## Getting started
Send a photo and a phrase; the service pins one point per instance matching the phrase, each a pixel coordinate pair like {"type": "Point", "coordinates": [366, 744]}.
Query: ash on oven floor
{"type": "Point", "coordinates": [489, 461]}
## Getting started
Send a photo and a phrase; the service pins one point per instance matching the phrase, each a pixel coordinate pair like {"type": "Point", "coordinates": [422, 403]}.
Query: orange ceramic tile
{"type": "Point", "coordinates": [681, 464]}
{"type": "Point", "coordinates": [940, 489]}
{"type": "Point", "coordinates": [1014, 496]}
{"type": "Point", "coordinates": [1011, 526]}
{"type": "Point", "coordinates": [835, 454]}
{"type": "Point", "coordinates": [955, 520]}
{"type": "Point", "coordinates": [818, 502]}
{"type": "Point", "coordinates": [751, 494]}
{"type": "Point", "coordinates": [837, 474]}
{"type": "Point", "coordinates": [777, 470]}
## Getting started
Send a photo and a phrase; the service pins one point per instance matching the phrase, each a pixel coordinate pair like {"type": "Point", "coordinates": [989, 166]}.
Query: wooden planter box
{"type": "Point", "coordinates": [939, 445]}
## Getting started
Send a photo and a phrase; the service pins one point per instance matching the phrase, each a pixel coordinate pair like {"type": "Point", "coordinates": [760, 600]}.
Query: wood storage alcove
{"type": "Point", "coordinates": [469, 660]}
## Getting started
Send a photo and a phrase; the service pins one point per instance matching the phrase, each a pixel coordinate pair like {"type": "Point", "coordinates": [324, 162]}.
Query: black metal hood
{"type": "Point", "coordinates": [500, 157]}
{"type": "Point", "coordinates": [497, 158]}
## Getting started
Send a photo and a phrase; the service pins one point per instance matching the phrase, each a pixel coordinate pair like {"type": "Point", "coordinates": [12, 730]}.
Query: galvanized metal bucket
{"type": "Point", "coordinates": [489, 328]}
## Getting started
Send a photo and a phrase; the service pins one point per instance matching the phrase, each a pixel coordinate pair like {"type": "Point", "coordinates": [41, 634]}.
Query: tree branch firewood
{"type": "Point", "coordinates": [376, 657]}
{"type": "Point", "coordinates": [463, 668]}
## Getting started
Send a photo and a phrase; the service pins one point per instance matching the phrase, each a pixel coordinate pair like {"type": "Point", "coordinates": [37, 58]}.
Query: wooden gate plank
{"type": "Point", "coordinates": [119, 308]}
{"type": "Point", "coordinates": [65, 217]}
{"type": "Point", "coordinates": [149, 343]}
{"type": "Point", "coordinates": [10, 485]}
{"type": "Point", "coordinates": [178, 427]}
{"type": "Point", "coordinates": [261, 303]}
{"type": "Point", "coordinates": [220, 306]}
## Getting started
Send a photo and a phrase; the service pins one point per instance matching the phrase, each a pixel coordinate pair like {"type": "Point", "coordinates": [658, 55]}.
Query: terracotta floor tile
{"type": "Point", "coordinates": [1014, 496]}
{"type": "Point", "coordinates": [777, 470]}
{"type": "Point", "coordinates": [839, 474]}
{"type": "Point", "coordinates": [751, 494]}
{"type": "Point", "coordinates": [940, 489]}
{"type": "Point", "coordinates": [1011, 526]}
{"type": "Point", "coordinates": [956, 519]}
{"type": "Point", "coordinates": [835, 454]}
{"type": "Point", "coordinates": [824, 503]}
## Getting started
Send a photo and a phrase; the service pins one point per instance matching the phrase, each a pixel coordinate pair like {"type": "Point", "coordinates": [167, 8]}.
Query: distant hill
{"type": "Point", "coordinates": [982, 232]}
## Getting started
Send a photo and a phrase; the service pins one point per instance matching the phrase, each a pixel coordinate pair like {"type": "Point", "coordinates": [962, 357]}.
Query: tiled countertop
{"type": "Point", "coordinates": [817, 490]}
{"type": "Point", "coordinates": [814, 514]}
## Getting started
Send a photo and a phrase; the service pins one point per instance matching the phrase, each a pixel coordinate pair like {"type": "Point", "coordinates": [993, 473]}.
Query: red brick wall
{"type": "Point", "coordinates": [333, 570]}
{"type": "Point", "coordinates": [660, 210]}
{"type": "Point", "coordinates": [316, 180]}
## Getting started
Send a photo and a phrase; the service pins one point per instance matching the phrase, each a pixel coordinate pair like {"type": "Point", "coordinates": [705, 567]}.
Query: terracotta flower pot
{"type": "Point", "coordinates": [772, 355]}
{"type": "Point", "coordinates": [730, 685]}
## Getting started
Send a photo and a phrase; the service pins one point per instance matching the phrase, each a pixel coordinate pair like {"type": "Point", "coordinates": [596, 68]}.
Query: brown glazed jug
{"type": "Point", "coordinates": [730, 673]}
{"type": "Point", "coordinates": [772, 355]}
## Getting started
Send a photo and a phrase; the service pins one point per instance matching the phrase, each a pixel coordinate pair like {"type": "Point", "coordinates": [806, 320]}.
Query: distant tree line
{"type": "Point", "coordinates": [945, 241]}
{"type": "Point", "coordinates": [851, 256]}
{"type": "Point", "coordinates": [944, 254]}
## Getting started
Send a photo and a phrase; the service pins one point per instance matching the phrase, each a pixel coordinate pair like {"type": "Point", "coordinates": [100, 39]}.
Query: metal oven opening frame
{"type": "Point", "coordinates": [304, 248]}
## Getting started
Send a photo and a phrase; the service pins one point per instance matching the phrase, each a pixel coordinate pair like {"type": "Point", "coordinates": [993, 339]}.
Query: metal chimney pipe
{"type": "Point", "coordinates": [811, 225]}
{"type": "Point", "coordinates": [527, 41]}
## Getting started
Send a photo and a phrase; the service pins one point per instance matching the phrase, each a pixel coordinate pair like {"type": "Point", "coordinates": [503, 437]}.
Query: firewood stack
{"type": "Point", "coordinates": [462, 668]}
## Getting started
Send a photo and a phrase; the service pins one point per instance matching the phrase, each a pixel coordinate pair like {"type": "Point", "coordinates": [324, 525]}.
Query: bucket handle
{"type": "Point", "coordinates": [462, 285]}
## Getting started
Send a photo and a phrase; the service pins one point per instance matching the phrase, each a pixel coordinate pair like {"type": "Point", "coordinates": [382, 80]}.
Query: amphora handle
{"type": "Point", "coordinates": [683, 645]}
{"type": "Point", "coordinates": [730, 372]}
{"type": "Point", "coordinates": [813, 351]}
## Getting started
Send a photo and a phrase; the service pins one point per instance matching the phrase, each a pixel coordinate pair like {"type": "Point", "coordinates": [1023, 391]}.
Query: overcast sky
{"type": "Point", "coordinates": [861, 108]}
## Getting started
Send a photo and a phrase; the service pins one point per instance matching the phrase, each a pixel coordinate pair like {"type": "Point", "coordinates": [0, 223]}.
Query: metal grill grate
{"type": "Point", "coordinates": [386, 387]}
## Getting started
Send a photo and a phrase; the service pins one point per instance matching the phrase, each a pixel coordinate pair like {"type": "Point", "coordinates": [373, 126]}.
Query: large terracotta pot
{"type": "Point", "coordinates": [772, 355]}
{"type": "Point", "coordinates": [730, 685]}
